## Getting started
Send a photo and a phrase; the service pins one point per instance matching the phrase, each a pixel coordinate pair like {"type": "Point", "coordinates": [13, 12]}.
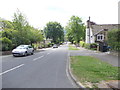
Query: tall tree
{"type": "Point", "coordinates": [20, 23]}
{"type": "Point", "coordinates": [54, 31]}
{"type": "Point", "coordinates": [75, 29]}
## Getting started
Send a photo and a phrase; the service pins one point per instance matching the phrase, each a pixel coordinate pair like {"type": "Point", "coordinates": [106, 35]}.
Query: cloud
{"type": "Point", "coordinates": [39, 12]}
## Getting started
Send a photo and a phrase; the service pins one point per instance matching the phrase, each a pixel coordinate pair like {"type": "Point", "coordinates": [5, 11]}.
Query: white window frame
{"type": "Point", "coordinates": [100, 35]}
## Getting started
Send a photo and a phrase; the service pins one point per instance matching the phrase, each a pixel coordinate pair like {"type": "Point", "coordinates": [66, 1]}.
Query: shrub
{"type": "Point", "coordinates": [82, 43]}
{"type": "Point", "coordinates": [114, 39]}
{"type": "Point", "coordinates": [6, 44]}
{"type": "Point", "coordinates": [49, 44]}
{"type": "Point", "coordinates": [87, 45]}
{"type": "Point", "coordinates": [93, 46]}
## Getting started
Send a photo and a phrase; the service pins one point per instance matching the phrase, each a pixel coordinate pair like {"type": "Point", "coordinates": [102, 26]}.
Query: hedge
{"type": "Point", "coordinates": [114, 39]}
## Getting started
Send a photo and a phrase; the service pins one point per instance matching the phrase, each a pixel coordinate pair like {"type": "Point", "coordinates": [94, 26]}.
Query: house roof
{"type": "Point", "coordinates": [100, 27]}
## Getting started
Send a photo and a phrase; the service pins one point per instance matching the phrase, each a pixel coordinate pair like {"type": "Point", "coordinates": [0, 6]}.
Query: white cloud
{"type": "Point", "coordinates": [39, 12]}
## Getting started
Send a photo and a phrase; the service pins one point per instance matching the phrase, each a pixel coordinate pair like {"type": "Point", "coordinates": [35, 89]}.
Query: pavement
{"type": "Point", "coordinates": [104, 56]}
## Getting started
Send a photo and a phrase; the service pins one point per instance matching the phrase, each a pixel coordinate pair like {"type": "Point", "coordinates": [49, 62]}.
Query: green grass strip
{"type": "Point", "coordinates": [90, 69]}
{"type": "Point", "coordinates": [73, 48]}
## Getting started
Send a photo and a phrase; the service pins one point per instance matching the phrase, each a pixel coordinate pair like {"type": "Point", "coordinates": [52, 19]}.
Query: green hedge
{"type": "Point", "coordinates": [87, 45]}
{"type": "Point", "coordinates": [114, 39]}
{"type": "Point", "coordinates": [92, 46]}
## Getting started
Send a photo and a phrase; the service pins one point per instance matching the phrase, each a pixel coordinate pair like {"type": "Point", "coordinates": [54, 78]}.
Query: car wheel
{"type": "Point", "coordinates": [25, 54]}
{"type": "Point", "coordinates": [32, 53]}
{"type": "Point", "coordinates": [14, 56]}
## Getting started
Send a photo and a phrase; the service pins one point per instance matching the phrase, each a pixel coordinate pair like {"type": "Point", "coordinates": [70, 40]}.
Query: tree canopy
{"type": "Point", "coordinates": [18, 31]}
{"type": "Point", "coordinates": [54, 31]}
{"type": "Point", "coordinates": [75, 29]}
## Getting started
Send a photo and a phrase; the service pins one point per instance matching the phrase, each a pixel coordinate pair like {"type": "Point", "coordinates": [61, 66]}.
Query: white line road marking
{"type": "Point", "coordinates": [37, 58]}
{"type": "Point", "coordinates": [12, 69]}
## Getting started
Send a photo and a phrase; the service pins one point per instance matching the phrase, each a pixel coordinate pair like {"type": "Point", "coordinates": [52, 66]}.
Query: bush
{"type": "Point", "coordinates": [6, 44]}
{"type": "Point", "coordinates": [87, 45]}
{"type": "Point", "coordinates": [82, 43]}
{"type": "Point", "coordinates": [114, 39]}
{"type": "Point", "coordinates": [93, 45]}
{"type": "Point", "coordinates": [49, 44]}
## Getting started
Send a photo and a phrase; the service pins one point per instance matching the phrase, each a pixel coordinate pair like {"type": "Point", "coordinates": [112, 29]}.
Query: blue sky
{"type": "Point", "coordinates": [39, 12]}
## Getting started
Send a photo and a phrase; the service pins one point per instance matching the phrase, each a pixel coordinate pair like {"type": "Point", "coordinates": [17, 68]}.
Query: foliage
{"type": "Point", "coordinates": [93, 46]}
{"type": "Point", "coordinates": [87, 45]}
{"type": "Point", "coordinates": [6, 44]}
{"type": "Point", "coordinates": [82, 43]}
{"type": "Point", "coordinates": [54, 31]}
{"type": "Point", "coordinates": [50, 44]}
{"type": "Point", "coordinates": [114, 39]}
{"type": "Point", "coordinates": [6, 24]}
{"type": "Point", "coordinates": [18, 32]}
{"type": "Point", "coordinates": [75, 29]}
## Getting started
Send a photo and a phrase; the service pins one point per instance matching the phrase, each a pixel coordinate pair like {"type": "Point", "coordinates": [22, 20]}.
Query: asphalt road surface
{"type": "Point", "coordinates": [46, 69]}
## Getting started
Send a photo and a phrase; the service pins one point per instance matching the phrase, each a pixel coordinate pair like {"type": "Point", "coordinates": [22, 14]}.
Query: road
{"type": "Point", "coordinates": [46, 69]}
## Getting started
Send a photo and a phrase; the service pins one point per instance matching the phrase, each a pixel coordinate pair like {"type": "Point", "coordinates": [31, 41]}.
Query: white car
{"type": "Point", "coordinates": [55, 46]}
{"type": "Point", "coordinates": [23, 50]}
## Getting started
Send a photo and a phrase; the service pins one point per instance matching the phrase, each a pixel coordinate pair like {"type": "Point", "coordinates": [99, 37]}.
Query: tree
{"type": "Point", "coordinates": [18, 32]}
{"type": "Point", "coordinates": [20, 24]}
{"type": "Point", "coordinates": [114, 39]}
{"type": "Point", "coordinates": [54, 31]}
{"type": "Point", "coordinates": [75, 29]}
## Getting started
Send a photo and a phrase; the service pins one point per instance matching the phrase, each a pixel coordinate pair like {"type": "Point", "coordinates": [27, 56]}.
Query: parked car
{"type": "Point", "coordinates": [23, 50]}
{"type": "Point", "coordinates": [55, 46]}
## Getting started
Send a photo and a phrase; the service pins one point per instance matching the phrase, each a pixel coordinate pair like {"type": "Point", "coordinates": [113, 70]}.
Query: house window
{"type": "Point", "coordinates": [100, 37]}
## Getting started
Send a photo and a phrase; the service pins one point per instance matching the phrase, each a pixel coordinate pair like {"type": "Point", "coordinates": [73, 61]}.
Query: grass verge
{"type": "Point", "coordinates": [73, 48]}
{"type": "Point", "coordinates": [93, 70]}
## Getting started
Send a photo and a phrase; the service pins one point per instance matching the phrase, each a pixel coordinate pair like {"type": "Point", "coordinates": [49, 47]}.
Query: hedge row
{"type": "Point", "coordinates": [92, 46]}
{"type": "Point", "coordinates": [114, 39]}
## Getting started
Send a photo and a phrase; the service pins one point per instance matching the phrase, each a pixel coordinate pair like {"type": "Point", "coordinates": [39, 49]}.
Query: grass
{"type": "Point", "coordinates": [73, 48]}
{"type": "Point", "coordinates": [91, 69]}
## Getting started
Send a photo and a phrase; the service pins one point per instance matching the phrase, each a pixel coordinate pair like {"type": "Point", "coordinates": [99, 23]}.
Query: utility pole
{"type": "Point", "coordinates": [89, 29]}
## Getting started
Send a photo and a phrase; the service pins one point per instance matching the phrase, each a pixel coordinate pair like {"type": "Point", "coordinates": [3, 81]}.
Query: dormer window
{"type": "Point", "coordinates": [100, 37]}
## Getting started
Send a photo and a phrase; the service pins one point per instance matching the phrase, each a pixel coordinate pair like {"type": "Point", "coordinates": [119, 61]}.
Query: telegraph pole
{"type": "Point", "coordinates": [89, 29]}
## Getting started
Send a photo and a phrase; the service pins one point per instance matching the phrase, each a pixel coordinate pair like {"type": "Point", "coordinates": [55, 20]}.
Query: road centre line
{"type": "Point", "coordinates": [37, 58]}
{"type": "Point", "coordinates": [12, 69]}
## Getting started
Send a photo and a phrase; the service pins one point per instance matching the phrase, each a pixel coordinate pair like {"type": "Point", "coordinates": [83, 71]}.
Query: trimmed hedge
{"type": "Point", "coordinates": [114, 39]}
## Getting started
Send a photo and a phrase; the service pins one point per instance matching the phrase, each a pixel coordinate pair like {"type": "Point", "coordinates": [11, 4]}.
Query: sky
{"type": "Point", "coordinates": [40, 12]}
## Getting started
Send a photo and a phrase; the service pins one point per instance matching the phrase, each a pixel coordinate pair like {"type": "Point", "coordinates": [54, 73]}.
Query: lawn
{"type": "Point", "coordinates": [73, 48]}
{"type": "Point", "coordinates": [90, 69]}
